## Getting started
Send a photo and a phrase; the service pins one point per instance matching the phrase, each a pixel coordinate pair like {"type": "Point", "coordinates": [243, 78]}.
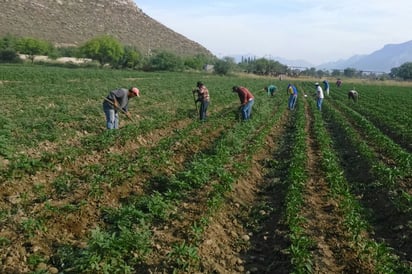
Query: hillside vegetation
{"type": "Point", "coordinates": [71, 23]}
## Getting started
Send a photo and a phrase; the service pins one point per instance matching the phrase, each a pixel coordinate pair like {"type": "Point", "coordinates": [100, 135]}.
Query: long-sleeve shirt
{"type": "Point", "coordinates": [203, 94]}
{"type": "Point", "coordinates": [292, 90]}
{"type": "Point", "coordinates": [326, 84]}
{"type": "Point", "coordinates": [121, 96]}
{"type": "Point", "coordinates": [244, 95]}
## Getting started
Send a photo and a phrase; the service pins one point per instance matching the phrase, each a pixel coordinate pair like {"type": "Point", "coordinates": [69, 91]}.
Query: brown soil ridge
{"type": "Point", "coordinates": [223, 245]}
{"type": "Point", "coordinates": [323, 219]}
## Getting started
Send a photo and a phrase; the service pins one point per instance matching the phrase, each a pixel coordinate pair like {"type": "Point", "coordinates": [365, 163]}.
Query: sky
{"type": "Point", "coordinates": [317, 31]}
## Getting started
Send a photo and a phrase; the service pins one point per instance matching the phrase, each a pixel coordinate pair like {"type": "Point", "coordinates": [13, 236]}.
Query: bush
{"type": "Point", "coordinates": [9, 56]}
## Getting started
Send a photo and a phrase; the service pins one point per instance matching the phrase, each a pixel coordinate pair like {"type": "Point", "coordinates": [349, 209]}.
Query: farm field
{"type": "Point", "coordinates": [298, 191]}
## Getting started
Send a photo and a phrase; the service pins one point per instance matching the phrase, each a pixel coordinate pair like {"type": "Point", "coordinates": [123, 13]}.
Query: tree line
{"type": "Point", "coordinates": [108, 51]}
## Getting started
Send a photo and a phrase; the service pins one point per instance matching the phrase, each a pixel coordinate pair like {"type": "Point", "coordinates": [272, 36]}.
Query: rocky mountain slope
{"type": "Point", "coordinates": [72, 22]}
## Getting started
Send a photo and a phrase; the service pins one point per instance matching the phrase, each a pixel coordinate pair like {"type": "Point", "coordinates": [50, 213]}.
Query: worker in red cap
{"type": "Point", "coordinates": [118, 100]}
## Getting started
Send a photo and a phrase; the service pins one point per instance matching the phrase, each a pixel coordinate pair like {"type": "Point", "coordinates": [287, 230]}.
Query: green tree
{"type": "Point", "coordinates": [9, 55]}
{"type": "Point", "coordinates": [320, 73]}
{"type": "Point", "coordinates": [404, 71]}
{"type": "Point", "coordinates": [131, 58]}
{"type": "Point", "coordinates": [196, 62]}
{"type": "Point", "coordinates": [105, 49]}
{"type": "Point", "coordinates": [33, 47]}
{"type": "Point", "coordinates": [224, 66]}
{"type": "Point", "coordinates": [8, 42]}
{"type": "Point", "coordinates": [349, 72]}
{"type": "Point", "coordinates": [261, 66]}
{"type": "Point", "coordinates": [336, 73]}
{"type": "Point", "coordinates": [8, 51]}
{"type": "Point", "coordinates": [165, 61]}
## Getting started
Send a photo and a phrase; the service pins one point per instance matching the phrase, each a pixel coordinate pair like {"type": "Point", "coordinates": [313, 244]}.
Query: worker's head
{"type": "Point", "coordinates": [199, 84]}
{"type": "Point", "coordinates": [235, 88]}
{"type": "Point", "coordinates": [316, 84]}
{"type": "Point", "coordinates": [135, 91]}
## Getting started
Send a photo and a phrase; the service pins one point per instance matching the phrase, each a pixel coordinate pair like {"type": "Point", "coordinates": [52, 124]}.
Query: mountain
{"type": "Point", "coordinates": [73, 22]}
{"type": "Point", "coordinates": [383, 60]}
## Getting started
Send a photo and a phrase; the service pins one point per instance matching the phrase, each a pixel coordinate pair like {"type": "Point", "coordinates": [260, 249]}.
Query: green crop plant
{"type": "Point", "coordinates": [32, 226]}
{"type": "Point", "coordinates": [197, 231]}
{"type": "Point", "coordinates": [115, 252]}
{"type": "Point", "coordinates": [39, 190]}
{"type": "Point", "coordinates": [64, 184]}
{"type": "Point", "coordinates": [183, 257]}
{"type": "Point", "coordinates": [4, 241]}
{"type": "Point", "coordinates": [34, 259]}
{"type": "Point", "coordinates": [156, 206]}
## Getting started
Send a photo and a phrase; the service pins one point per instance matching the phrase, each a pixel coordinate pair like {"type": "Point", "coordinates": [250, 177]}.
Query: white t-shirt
{"type": "Point", "coordinates": [319, 92]}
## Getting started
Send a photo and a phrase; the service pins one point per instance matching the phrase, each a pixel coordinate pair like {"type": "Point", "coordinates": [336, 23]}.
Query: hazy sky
{"type": "Point", "coordinates": [317, 31]}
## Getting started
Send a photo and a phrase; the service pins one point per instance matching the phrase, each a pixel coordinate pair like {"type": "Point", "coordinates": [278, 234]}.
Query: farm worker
{"type": "Point", "coordinates": [246, 101]}
{"type": "Point", "coordinates": [203, 97]}
{"type": "Point", "coordinates": [338, 83]}
{"type": "Point", "coordinates": [293, 96]}
{"type": "Point", "coordinates": [118, 100]}
{"type": "Point", "coordinates": [326, 86]}
{"type": "Point", "coordinates": [271, 89]}
{"type": "Point", "coordinates": [319, 96]}
{"type": "Point", "coordinates": [353, 94]}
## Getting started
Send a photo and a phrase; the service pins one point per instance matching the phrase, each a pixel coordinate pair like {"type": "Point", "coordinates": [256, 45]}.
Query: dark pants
{"type": "Point", "coordinates": [203, 110]}
{"type": "Point", "coordinates": [352, 96]}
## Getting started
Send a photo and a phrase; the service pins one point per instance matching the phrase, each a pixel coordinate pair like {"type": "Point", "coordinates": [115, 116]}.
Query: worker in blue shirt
{"type": "Point", "coordinates": [326, 86]}
{"type": "Point", "coordinates": [293, 96]}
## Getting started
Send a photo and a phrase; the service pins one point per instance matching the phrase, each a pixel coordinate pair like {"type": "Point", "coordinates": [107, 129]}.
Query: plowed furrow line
{"type": "Point", "coordinates": [321, 212]}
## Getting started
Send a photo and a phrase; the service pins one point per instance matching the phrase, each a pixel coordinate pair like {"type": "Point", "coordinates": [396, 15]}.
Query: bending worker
{"type": "Point", "coordinates": [271, 89]}
{"type": "Point", "coordinates": [118, 100]}
{"type": "Point", "coordinates": [246, 101]}
{"type": "Point", "coordinates": [292, 91]}
{"type": "Point", "coordinates": [353, 94]}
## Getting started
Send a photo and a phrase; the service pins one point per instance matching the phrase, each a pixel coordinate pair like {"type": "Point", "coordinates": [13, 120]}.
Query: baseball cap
{"type": "Point", "coordinates": [135, 91]}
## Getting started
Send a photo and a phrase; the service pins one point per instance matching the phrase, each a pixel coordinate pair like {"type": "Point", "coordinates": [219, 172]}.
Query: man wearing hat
{"type": "Point", "coordinates": [319, 96]}
{"type": "Point", "coordinates": [118, 100]}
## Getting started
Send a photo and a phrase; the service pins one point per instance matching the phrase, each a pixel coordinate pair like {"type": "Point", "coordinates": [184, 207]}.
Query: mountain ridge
{"type": "Point", "coordinates": [382, 60]}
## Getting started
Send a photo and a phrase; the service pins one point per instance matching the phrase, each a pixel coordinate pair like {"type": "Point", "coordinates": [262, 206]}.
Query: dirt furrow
{"type": "Point", "coordinates": [323, 223]}
{"type": "Point", "coordinates": [228, 245]}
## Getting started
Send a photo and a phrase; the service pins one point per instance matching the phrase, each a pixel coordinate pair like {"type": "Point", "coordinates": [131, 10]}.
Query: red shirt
{"type": "Point", "coordinates": [244, 95]}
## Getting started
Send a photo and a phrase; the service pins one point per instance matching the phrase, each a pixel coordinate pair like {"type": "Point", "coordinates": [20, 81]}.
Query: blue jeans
{"type": "Point", "coordinates": [112, 116]}
{"type": "Point", "coordinates": [247, 110]}
{"type": "Point", "coordinates": [292, 101]}
{"type": "Point", "coordinates": [319, 103]}
{"type": "Point", "coordinates": [203, 110]}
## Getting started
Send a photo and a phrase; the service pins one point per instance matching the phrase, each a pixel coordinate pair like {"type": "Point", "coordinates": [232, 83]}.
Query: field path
{"type": "Point", "coordinates": [323, 220]}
